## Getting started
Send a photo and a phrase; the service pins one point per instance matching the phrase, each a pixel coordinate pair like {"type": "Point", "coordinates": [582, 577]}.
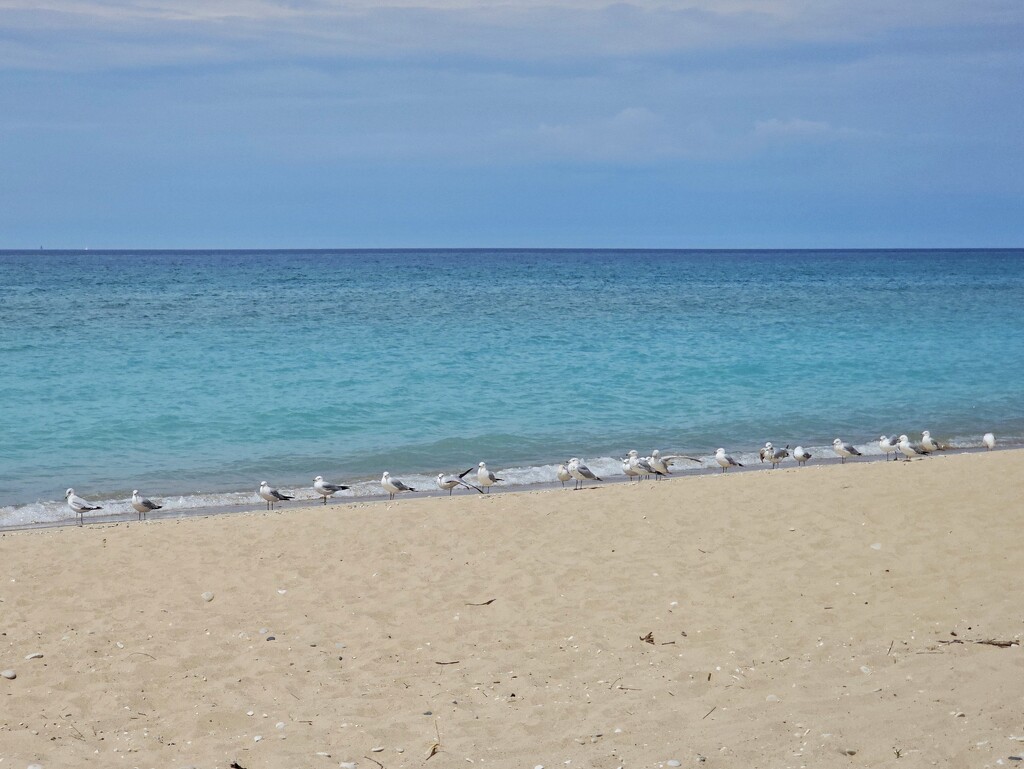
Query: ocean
{"type": "Point", "coordinates": [194, 375]}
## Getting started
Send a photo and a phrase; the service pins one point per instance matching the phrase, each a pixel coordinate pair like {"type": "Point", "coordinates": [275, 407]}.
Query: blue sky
{"type": "Point", "coordinates": [562, 123]}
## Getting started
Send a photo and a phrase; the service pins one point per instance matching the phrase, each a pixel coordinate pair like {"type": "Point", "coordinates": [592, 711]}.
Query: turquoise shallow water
{"type": "Point", "coordinates": [195, 375]}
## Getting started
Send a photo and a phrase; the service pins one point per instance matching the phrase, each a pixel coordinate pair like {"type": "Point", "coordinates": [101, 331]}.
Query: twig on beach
{"type": "Point", "coordinates": [485, 603]}
{"type": "Point", "coordinates": [437, 745]}
{"type": "Point", "coordinates": [80, 735]}
{"type": "Point", "coordinates": [709, 712]}
{"type": "Point", "coordinates": [890, 646]}
{"type": "Point", "coordinates": [985, 642]}
{"type": "Point", "coordinates": [378, 763]}
{"type": "Point", "coordinates": [453, 662]}
{"type": "Point", "coordinates": [144, 654]}
{"type": "Point", "coordinates": [649, 637]}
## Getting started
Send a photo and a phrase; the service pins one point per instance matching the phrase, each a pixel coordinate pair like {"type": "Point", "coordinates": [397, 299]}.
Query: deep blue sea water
{"type": "Point", "coordinates": [195, 375]}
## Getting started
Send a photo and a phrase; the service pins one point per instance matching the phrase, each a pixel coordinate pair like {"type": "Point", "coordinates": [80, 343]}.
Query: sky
{"type": "Point", "coordinates": [537, 123]}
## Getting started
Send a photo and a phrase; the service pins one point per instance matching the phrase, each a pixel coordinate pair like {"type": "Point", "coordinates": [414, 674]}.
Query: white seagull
{"type": "Point", "coordinates": [563, 474]}
{"type": "Point", "coordinates": [79, 505]}
{"type": "Point", "coordinates": [580, 472]}
{"type": "Point", "coordinates": [888, 444]}
{"type": "Point", "coordinates": [766, 452]}
{"type": "Point", "coordinates": [801, 455]}
{"type": "Point", "coordinates": [929, 444]}
{"type": "Point", "coordinates": [777, 455]}
{"type": "Point", "coordinates": [725, 461]}
{"type": "Point", "coordinates": [630, 471]}
{"type": "Point", "coordinates": [909, 449]}
{"type": "Point", "coordinates": [143, 505]}
{"type": "Point", "coordinates": [392, 485]}
{"type": "Point", "coordinates": [449, 482]}
{"type": "Point", "coordinates": [989, 440]}
{"type": "Point", "coordinates": [272, 496]}
{"type": "Point", "coordinates": [662, 464]}
{"type": "Point", "coordinates": [844, 450]}
{"type": "Point", "coordinates": [325, 489]}
{"type": "Point", "coordinates": [642, 465]}
{"type": "Point", "coordinates": [485, 477]}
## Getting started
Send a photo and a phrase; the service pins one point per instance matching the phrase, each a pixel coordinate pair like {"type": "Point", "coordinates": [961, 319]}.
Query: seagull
{"type": "Point", "coordinates": [888, 445]}
{"type": "Point", "coordinates": [273, 496]}
{"type": "Point", "coordinates": [563, 474]}
{"type": "Point", "coordinates": [909, 449]}
{"type": "Point", "coordinates": [778, 455]}
{"type": "Point", "coordinates": [630, 471]}
{"type": "Point", "coordinates": [662, 464]}
{"type": "Point", "coordinates": [449, 482]}
{"type": "Point", "coordinates": [79, 505]}
{"type": "Point", "coordinates": [392, 485]}
{"type": "Point", "coordinates": [928, 444]}
{"type": "Point", "coordinates": [844, 450]}
{"type": "Point", "coordinates": [989, 440]}
{"type": "Point", "coordinates": [801, 455]}
{"type": "Point", "coordinates": [766, 451]}
{"type": "Point", "coordinates": [580, 472]}
{"type": "Point", "coordinates": [324, 489]}
{"type": "Point", "coordinates": [143, 505]}
{"type": "Point", "coordinates": [642, 464]}
{"type": "Point", "coordinates": [485, 477]}
{"type": "Point", "coordinates": [725, 461]}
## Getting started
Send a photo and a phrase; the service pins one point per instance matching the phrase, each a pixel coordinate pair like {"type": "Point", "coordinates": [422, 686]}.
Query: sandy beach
{"type": "Point", "coordinates": [822, 616]}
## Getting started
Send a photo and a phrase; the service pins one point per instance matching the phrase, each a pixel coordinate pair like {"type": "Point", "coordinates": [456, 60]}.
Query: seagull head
{"type": "Point", "coordinates": [768, 445]}
{"type": "Point", "coordinates": [440, 476]}
{"type": "Point", "coordinates": [68, 493]}
{"type": "Point", "coordinates": [482, 465]}
{"type": "Point", "coordinates": [385, 476]}
{"type": "Point", "coordinates": [263, 483]}
{"type": "Point", "coordinates": [837, 442]}
{"type": "Point", "coordinates": [318, 479]}
{"type": "Point", "coordinates": [926, 434]}
{"type": "Point", "coordinates": [655, 453]}
{"type": "Point", "coordinates": [720, 451]}
{"type": "Point", "coordinates": [904, 439]}
{"type": "Point", "coordinates": [135, 492]}
{"type": "Point", "coordinates": [633, 453]}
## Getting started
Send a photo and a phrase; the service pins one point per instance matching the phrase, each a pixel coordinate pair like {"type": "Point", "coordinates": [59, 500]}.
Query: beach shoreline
{"type": "Point", "coordinates": [796, 617]}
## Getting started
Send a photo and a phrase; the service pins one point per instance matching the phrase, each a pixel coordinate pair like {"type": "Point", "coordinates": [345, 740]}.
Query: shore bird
{"type": "Point", "coordinates": [79, 506]}
{"type": "Point", "coordinates": [630, 471]}
{"type": "Point", "coordinates": [142, 505]}
{"type": "Point", "coordinates": [485, 477]}
{"type": "Point", "coordinates": [325, 489]}
{"type": "Point", "coordinates": [989, 441]}
{"type": "Point", "coordinates": [725, 461]}
{"type": "Point", "coordinates": [888, 444]}
{"type": "Point", "coordinates": [844, 450]}
{"type": "Point", "coordinates": [662, 464]}
{"type": "Point", "coordinates": [580, 472]}
{"type": "Point", "coordinates": [801, 455]}
{"type": "Point", "coordinates": [929, 444]}
{"type": "Point", "coordinates": [766, 452]}
{"type": "Point", "coordinates": [908, 449]}
{"type": "Point", "coordinates": [642, 464]}
{"type": "Point", "coordinates": [449, 482]}
{"type": "Point", "coordinates": [392, 485]}
{"type": "Point", "coordinates": [562, 473]}
{"type": "Point", "coordinates": [272, 496]}
{"type": "Point", "coordinates": [778, 455]}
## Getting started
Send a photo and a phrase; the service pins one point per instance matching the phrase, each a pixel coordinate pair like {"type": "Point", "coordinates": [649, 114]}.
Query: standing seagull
{"type": "Point", "coordinates": [662, 464]}
{"type": "Point", "coordinates": [485, 477]}
{"type": "Point", "coordinates": [563, 474]}
{"type": "Point", "coordinates": [324, 489]}
{"type": "Point", "coordinates": [844, 450]}
{"type": "Point", "coordinates": [766, 451]}
{"type": "Point", "coordinates": [989, 440]}
{"type": "Point", "coordinates": [79, 505]}
{"type": "Point", "coordinates": [392, 485]}
{"type": "Point", "coordinates": [888, 445]}
{"type": "Point", "coordinates": [143, 505]}
{"type": "Point", "coordinates": [928, 444]}
{"type": "Point", "coordinates": [778, 455]}
{"type": "Point", "coordinates": [909, 449]}
{"type": "Point", "coordinates": [642, 464]}
{"type": "Point", "coordinates": [449, 482]}
{"type": "Point", "coordinates": [725, 461]}
{"type": "Point", "coordinates": [580, 472]}
{"type": "Point", "coordinates": [627, 467]}
{"type": "Point", "coordinates": [801, 455]}
{"type": "Point", "coordinates": [273, 496]}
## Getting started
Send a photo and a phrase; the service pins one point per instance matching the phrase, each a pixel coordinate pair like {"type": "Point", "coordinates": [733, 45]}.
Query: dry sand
{"type": "Point", "coordinates": [797, 616]}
